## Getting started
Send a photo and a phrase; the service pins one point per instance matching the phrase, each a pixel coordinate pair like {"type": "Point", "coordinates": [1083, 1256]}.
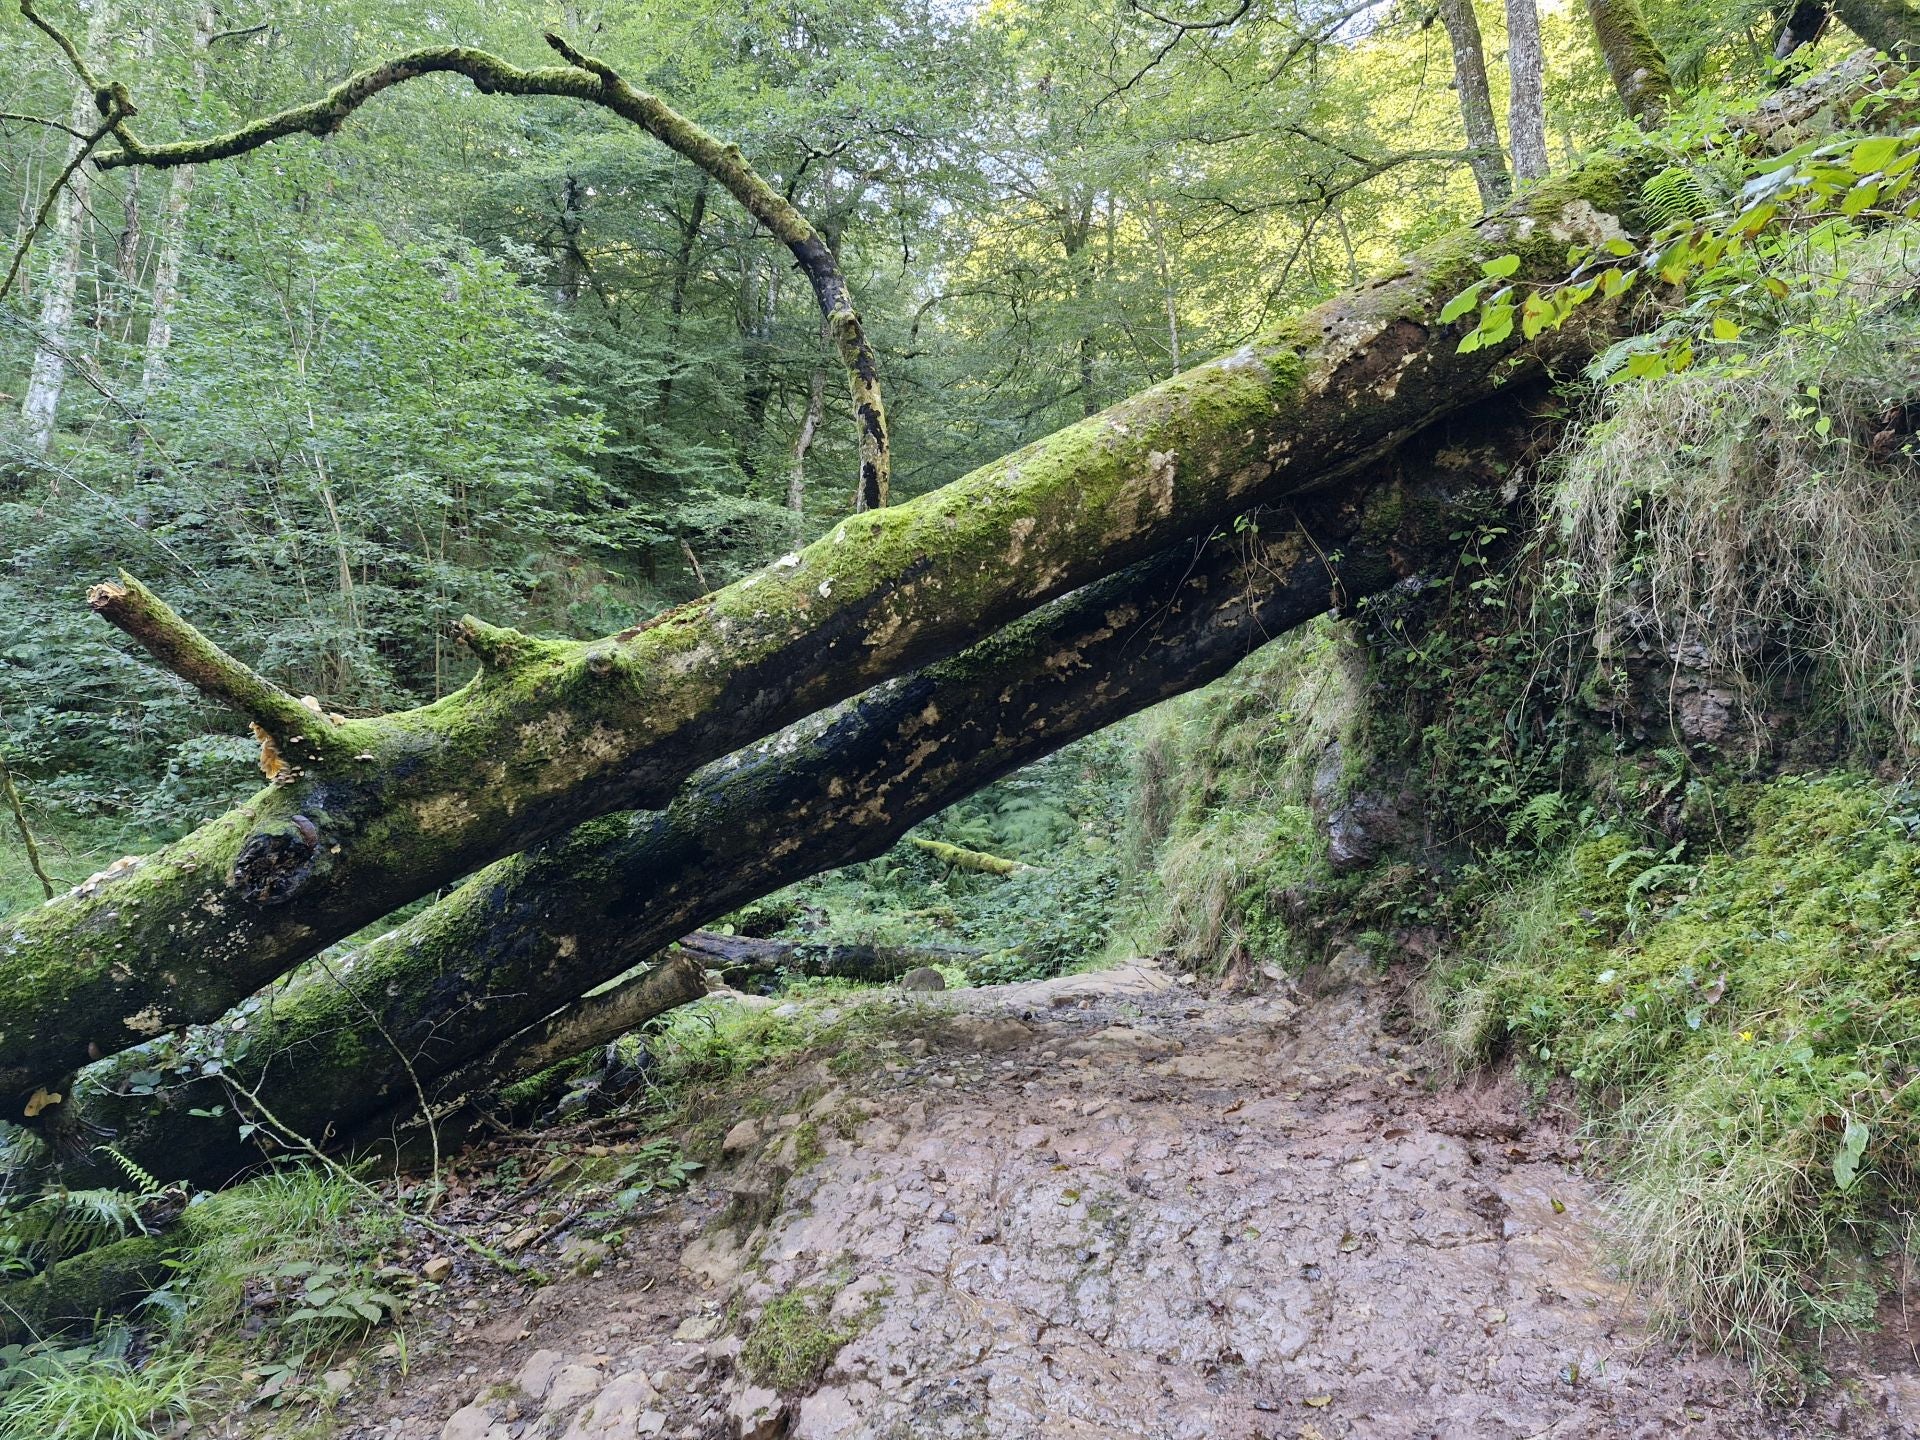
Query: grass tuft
{"type": "Point", "coordinates": [89, 1396]}
{"type": "Point", "coordinates": [1749, 1028]}
{"type": "Point", "coordinates": [1765, 504]}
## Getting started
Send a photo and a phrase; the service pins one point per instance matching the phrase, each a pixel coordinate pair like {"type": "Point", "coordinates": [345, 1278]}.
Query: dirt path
{"type": "Point", "coordinates": [1107, 1206]}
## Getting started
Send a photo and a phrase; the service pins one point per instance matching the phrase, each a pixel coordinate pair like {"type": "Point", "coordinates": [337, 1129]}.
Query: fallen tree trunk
{"type": "Point", "coordinates": [366, 1034]}
{"type": "Point", "coordinates": [957, 857]}
{"type": "Point", "coordinates": [370, 814]}
{"type": "Point", "coordinates": [592, 1020]}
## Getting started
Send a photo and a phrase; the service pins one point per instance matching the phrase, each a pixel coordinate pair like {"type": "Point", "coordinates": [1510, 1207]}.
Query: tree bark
{"type": "Point", "coordinates": [1526, 103]}
{"type": "Point", "coordinates": [172, 245]}
{"type": "Point", "coordinates": [677, 297]}
{"type": "Point", "coordinates": [1889, 25]}
{"type": "Point", "coordinates": [803, 442]}
{"type": "Point", "coordinates": [741, 955]}
{"type": "Point", "coordinates": [1636, 64]}
{"type": "Point", "coordinates": [1485, 157]}
{"type": "Point", "coordinates": [501, 953]}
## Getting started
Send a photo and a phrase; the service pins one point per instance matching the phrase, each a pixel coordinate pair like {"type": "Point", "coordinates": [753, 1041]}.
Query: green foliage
{"type": "Point", "coordinates": [298, 1245]}
{"type": "Point", "coordinates": [1749, 1019]}
{"type": "Point", "coordinates": [1063, 816]}
{"type": "Point", "coordinates": [1767, 496]}
{"type": "Point", "coordinates": [1727, 265]}
{"type": "Point", "coordinates": [62, 1222]}
{"type": "Point", "coordinates": [1227, 784]}
{"type": "Point", "coordinates": [95, 1393]}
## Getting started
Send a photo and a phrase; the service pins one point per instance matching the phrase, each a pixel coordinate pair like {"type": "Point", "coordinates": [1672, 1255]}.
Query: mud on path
{"type": "Point", "coordinates": [1110, 1206]}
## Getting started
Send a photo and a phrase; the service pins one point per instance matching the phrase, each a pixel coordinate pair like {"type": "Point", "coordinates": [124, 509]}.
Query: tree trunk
{"type": "Point", "coordinates": [677, 297]}
{"type": "Point", "coordinates": [1486, 159]}
{"type": "Point", "coordinates": [356, 1037]}
{"type": "Point", "coordinates": [570, 265]}
{"type": "Point", "coordinates": [368, 814]}
{"type": "Point", "coordinates": [1634, 61]}
{"type": "Point", "coordinates": [1526, 103]}
{"type": "Point", "coordinates": [957, 857]}
{"type": "Point", "coordinates": [1074, 232]}
{"type": "Point", "coordinates": [166, 279]}
{"type": "Point", "coordinates": [803, 442]}
{"type": "Point", "coordinates": [66, 242]}
{"type": "Point", "coordinates": [1889, 25]}
{"type": "Point", "coordinates": [742, 955]}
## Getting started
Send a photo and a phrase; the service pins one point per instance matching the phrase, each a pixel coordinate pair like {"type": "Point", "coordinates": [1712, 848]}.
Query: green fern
{"type": "Point", "coordinates": [67, 1222]}
{"type": "Point", "coordinates": [143, 1180]}
{"type": "Point", "coordinates": [1676, 196]}
{"type": "Point", "coordinates": [1543, 819]}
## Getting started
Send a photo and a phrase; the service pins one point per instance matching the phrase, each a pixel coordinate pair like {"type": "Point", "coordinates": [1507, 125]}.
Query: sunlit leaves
{"type": "Point", "coordinates": [1817, 195]}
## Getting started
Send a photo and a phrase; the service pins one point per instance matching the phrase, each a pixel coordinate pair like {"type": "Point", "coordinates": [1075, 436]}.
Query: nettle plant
{"type": "Point", "coordinates": [1726, 243]}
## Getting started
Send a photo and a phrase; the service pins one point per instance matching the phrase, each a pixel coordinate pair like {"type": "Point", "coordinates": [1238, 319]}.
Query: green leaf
{"type": "Point", "coordinates": [1502, 267]}
{"type": "Point", "coordinates": [1496, 323]}
{"type": "Point", "coordinates": [1846, 1160]}
{"type": "Point", "coordinates": [1725, 329]}
{"type": "Point", "coordinates": [1872, 154]}
{"type": "Point", "coordinates": [1859, 198]}
{"type": "Point", "coordinates": [1462, 303]}
{"type": "Point", "coordinates": [1535, 315]}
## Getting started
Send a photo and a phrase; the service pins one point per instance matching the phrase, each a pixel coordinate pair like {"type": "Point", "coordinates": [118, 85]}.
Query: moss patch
{"type": "Point", "coordinates": [796, 1336]}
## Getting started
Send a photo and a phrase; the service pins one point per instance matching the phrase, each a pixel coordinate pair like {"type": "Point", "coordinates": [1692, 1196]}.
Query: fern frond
{"type": "Point", "coordinates": [67, 1222]}
{"type": "Point", "coordinates": [143, 1181]}
{"type": "Point", "coordinates": [1676, 196]}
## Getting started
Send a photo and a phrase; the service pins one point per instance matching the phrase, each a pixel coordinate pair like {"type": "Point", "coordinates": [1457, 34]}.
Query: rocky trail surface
{"type": "Point", "coordinates": [1106, 1205]}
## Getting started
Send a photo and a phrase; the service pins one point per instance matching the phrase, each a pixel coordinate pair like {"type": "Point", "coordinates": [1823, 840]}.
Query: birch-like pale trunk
{"type": "Point", "coordinates": [1486, 159]}
{"type": "Point", "coordinates": [1526, 96]}
{"type": "Point", "coordinates": [66, 240]}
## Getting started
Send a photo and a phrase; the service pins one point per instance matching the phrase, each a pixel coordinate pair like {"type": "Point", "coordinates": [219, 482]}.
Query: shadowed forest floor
{"type": "Point", "coordinates": [1104, 1205]}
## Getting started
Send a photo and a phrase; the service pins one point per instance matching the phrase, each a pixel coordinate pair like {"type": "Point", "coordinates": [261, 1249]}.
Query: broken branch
{"type": "Point", "coordinates": [180, 648]}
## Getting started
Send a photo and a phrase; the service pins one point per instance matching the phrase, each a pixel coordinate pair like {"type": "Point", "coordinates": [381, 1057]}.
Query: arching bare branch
{"type": "Point", "coordinates": [585, 78]}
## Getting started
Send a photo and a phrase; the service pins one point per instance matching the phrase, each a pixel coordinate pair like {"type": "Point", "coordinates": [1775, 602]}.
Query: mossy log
{"type": "Point", "coordinates": [369, 814]}
{"type": "Point", "coordinates": [958, 857]}
{"type": "Point", "coordinates": [509, 947]}
{"type": "Point", "coordinates": [72, 1294]}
